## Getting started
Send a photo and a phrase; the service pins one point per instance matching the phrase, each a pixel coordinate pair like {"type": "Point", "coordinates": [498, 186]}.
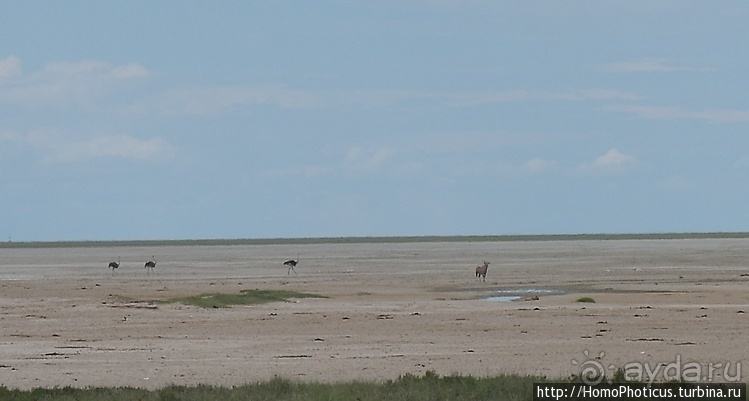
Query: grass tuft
{"type": "Point", "coordinates": [586, 299]}
{"type": "Point", "coordinates": [245, 297]}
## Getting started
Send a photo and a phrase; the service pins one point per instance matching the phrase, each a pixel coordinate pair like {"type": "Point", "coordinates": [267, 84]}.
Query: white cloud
{"type": "Point", "coordinates": [609, 162]}
{"type": "Point", "coordinates": [64, 82]}
{"type": "Point", "coordinates": [210, 100]}
{"type": "Point", "coordinates": [469, 99]}
{"type": "Point", "coordinates": [9, 136]}
{"type": "Point", "coordinates": [125, 147]}
{"type": "Point", "coordinates": [538, 165]}
{"type": "Point", "coordinates": [368, 160]}
{"type": "Point", "coordinates": [595, 94]}
{"type": "Point", "coordinates": [472, 99]}
{"type": "Point", "coordinates": [92, 69]}
{"type": "Point", "coordinates": [612, 158]}
{"type": "Point", "coordinates": [55, 146]}
{"type": "Point", "coordinates": [10, 67]}
{"type": "Point", "coordinates": [81, 68]}
{"type": "Point", "coordinates": [648, 65]}
{"type": "Point", "coordinates": [131, 70]}
{"type": "Point", "coordinates": [661, 112]}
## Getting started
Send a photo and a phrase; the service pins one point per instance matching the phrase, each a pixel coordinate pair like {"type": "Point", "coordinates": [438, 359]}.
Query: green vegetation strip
{"type": "Point", "coordinates": [428, 387]}
{"type": "Point", "coordinates": [245, 297]}
{"type": "Point", "coordinates": [368, 240]}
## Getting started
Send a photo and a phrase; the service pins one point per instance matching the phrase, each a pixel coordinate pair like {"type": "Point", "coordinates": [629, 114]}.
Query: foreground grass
{"type": "Point", "coordinates": [429, 387]}
{"type": "Point", "coordinates": [245, 297]}
{"type": "Point", "coordinates": [406, 388]}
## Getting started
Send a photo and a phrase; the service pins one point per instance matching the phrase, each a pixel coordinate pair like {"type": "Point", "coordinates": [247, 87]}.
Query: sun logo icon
{"type": "Point", "coordinates": [592, 371]}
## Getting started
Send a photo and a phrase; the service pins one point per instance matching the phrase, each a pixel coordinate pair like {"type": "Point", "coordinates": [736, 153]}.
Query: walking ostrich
{"type": "Point", "coordinates": [291, 264]}
{"type": "Point", "coordinates": [150, 265]}
{"type": "Point", "coordinates": [114, 265]}
{"type": "Point", "coordinates": [481, 270]}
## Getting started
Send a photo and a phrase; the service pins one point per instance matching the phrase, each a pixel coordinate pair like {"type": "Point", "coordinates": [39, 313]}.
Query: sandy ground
{"type": "Point", "coordinates": [392, 309]}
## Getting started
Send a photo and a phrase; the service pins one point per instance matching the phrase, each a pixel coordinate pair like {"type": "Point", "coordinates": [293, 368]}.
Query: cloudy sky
{"type": "Point", "coordinates": [256, 119]}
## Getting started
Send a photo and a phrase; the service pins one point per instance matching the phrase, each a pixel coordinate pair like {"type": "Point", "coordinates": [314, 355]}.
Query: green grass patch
{"type": "Point", "coordinates": [587, 300]}
{"type": "Point", "coordinates": [244, 297]}
{"type": "Point", "coordinates": [430, 387]}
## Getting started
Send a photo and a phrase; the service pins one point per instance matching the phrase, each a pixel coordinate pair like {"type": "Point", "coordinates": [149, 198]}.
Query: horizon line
{"type": "Point", "coordinates": [374, 239]}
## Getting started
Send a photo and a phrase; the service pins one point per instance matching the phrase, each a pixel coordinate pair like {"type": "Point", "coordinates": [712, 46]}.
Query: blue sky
{"type": "Point", "coordinates": [255, 119]}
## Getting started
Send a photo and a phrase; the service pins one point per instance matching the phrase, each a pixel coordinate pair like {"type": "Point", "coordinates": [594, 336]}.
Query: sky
{"type": "Point", "coordinates": [187, 119]}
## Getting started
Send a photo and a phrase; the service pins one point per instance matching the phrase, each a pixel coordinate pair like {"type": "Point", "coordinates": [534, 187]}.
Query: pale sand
{"type": "Point", "coordinates": [393, 309]}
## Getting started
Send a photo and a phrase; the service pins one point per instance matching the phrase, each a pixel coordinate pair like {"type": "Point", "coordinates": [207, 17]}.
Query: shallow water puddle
{"type": "Point", "coordinates": [518, 293]}
{"type": "Point", "coordinates": [503, 298]}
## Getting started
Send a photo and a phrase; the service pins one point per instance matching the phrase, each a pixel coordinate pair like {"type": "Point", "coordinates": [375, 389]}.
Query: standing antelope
{"type": "Point", "coordinates": [481, 270]}
{"type": "Point", "coordinates": [114, 265]}
{"type": "Point", "coordinates": [150, 265]}
{"type": "Point", "coordinates": [291, 264]}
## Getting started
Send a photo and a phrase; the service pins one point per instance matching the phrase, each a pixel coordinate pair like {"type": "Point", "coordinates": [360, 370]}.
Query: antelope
{"type": "Point", "coordinates": [481, 271]}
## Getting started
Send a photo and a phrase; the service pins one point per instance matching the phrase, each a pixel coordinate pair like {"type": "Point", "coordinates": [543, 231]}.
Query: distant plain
{"type": "Point", "coordinates": [394, 306]}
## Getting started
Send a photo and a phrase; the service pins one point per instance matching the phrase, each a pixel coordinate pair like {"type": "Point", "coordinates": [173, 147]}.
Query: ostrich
{"type": "Point", "coordinates": [150, 265]}
{"type": "Point", "coordinates": [481, 270]}
{"type": "Point", "coordinates": [114, 265]}
{"type": "Point", "coordinates": [291, 263]}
